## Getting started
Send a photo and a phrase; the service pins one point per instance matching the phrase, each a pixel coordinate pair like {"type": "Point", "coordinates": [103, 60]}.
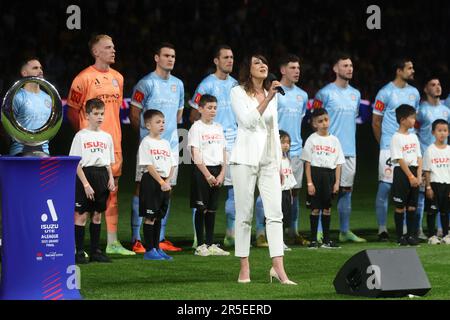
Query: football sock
{"type": "Point", "coordinates": [326, 227]}
{"type": "Point", "coordinates": [344, 207]}
{"type": "Point", "coordinates": [314, 221]}
{"type": "Point", "coordinates": [398, 217]}
{"type": "Point", "coordinates": [94, 232]}
{"type": "Point", "coordinates": [431, 223]}
{"type": "Point", "coordinates": [136, 221]}
{"type": "Point", "coordinates": [210, 218]}
{"type": "Point", "coordinates": [79, 238]}
{"type": "Point", "coordinates": [199, 227]}
{"type": "Point", "coordinates": [148, 236]}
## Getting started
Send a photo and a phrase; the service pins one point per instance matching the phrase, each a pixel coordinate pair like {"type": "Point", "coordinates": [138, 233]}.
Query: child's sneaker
{"type": "Point", "coordinates": [412, 241]}
{"type": "Point", "coordinates": [163, 254]}
{"type": "Point", "coordinates": [313, 245]}
{"type": "Point", "coordinates": [202, 251]}
{"type": "Point", "coordinates": [80, 258]}
{"type": "Point", "coordinates": [434, 240]}
{"type": "Point", "coordinates": [215, 250]}
{"type": "Point", "coordinates": [402, 241]}
{"type": "Point", "coordinates": [286, 248]}
{"type": "Point", "coordinates": [153, 255]}
{"type": "Point", "coordinates": [446, 240]}
{"type": "Point", "coordinates": [98, 256]}
{"type": "Point", "coordinates": [330, 245]}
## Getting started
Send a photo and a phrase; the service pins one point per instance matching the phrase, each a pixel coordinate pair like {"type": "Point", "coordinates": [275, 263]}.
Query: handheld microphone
{"type": "Point", "coordinates": [272, 78]}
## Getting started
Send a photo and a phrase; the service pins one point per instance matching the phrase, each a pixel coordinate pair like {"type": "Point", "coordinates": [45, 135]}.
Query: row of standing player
{"type": "Point", "coordinates": [161, 90]}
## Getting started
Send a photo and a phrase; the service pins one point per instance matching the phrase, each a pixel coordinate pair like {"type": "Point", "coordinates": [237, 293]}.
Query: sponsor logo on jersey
{"type": "Point", "coordinates": [138, 96]}
{"type": "Point", "coordinates": [159, 152]}
{"type": "Point", "coordinates": [327, 149]}
{"type": "Point", "coordinates": [409, 147]}
{"type": "Point", "coordinates": [379, 106]}
{"type": "Point", "coordinates": [75, 96]}
{"type": "Point", "coordinates": [95, 144]}
{"type": "Point", "coordinates": [440, 160]}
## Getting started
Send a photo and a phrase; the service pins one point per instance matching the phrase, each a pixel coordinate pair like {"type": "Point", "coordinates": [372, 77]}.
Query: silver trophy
{"type": "Point", "coordinates": [16, 126]}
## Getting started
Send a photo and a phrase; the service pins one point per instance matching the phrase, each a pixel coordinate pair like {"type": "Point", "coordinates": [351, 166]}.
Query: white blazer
{"type": "Point", "coordinates": [252, 130]}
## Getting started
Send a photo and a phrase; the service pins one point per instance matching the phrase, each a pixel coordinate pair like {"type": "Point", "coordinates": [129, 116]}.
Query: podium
{"type": "Point", "coordinates": [38, 242]}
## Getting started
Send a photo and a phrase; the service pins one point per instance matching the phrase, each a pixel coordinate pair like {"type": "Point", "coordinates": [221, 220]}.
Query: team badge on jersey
{"type": "Point", "coordinates": [412, 97]}
{"type": "Point", "coordinates": [353, 97]}
{"type": "Point", "coordinates": [299, 98]}
{"type": "Point", "coordinates": [115, 83]}
{"type": "Point", "coordinates": [173, 88]}
{"type": "Point", "coordinates": [138, 96]}
{"type": "Point", "coordinates": [379, 106]}
{"type": "Point", "coordinates": [197, 98]}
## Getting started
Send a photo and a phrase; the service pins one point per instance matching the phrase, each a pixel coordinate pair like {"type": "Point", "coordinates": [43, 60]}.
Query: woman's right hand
{"type": "Point", "coordinates": [272, 90]}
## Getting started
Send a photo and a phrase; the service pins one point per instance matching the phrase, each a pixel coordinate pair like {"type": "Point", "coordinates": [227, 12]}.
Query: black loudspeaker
{"type": "Point", "coordinates": [383, 273]}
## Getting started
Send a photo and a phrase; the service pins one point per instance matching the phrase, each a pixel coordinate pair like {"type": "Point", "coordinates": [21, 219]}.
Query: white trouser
{"type": "Point", "coordinates": [244, 180]}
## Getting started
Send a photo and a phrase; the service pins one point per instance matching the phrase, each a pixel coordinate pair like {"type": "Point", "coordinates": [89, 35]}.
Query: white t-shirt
{"type": "Point", "coordinates": [210, 141]}
{"type": "Point", "coordinates": [323, 151]}
{"type": "Point", "coordinates": [156, 152]}
{"type": "Point", "coordinates": [289, 179]}
{"type": "Point", "coordinates": [406, 147]}
{"type": "Point", "coordinates": [437, 161]}
{"type": "Point", "coordinates": [95, 148]}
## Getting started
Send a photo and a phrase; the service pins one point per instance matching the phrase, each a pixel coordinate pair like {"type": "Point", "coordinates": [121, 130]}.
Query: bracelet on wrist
{"type": "Point", "coordinates": [86, 185]}
{"type": "Point", "coordinates": [428, 188]}
{"type": "Point", "coordinates": [309, 184]}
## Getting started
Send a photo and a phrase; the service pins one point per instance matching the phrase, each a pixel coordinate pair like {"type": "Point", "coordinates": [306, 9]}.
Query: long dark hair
{"type": "Point", "coordinates": [245, 77]}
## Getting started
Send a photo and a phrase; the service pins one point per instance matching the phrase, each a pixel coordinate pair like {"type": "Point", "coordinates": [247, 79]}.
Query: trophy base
{"type": "Point", "coordinates": [36, 151]}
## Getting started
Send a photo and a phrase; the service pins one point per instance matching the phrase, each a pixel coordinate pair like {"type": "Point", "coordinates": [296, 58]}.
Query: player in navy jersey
{"type": "Point", "coordinates": [430, 109]}
{"type": "Point", "coordinates": [291, 110]}
{"type": "Point", "coordinates": [162, 91]}
{"type": "Point", "coordinates": [219, 84]}
{"type": "Point", "coordinates": [342, 101]}
{"type": "Point", "coordinates": [384, 125]}
{"type": "Point", "coordinates": [31, 105]}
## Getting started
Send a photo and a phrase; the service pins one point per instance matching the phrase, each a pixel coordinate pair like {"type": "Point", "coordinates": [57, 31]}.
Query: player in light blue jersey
{"type": "Point", "coordinates": [384, 125]}
{"type": "Point", "coordinates": [342, 101]}
{"type": "Point", "coordinates": [219, 84]}
{"type": "Point", "coordinates": [430, 109]}
{"type": "Point", "coordinates": [291, 110]}
{"type": "Point", "coordinates": [161, 91]}
{"type": "Point", "coordinates": [447, 101]}
{"type": "Point", "coordinates": [31, 105]}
